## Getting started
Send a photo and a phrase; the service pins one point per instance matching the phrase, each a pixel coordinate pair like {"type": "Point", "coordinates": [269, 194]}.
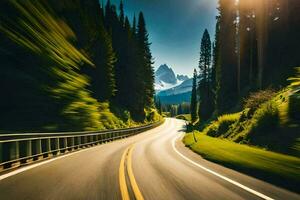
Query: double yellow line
{"type": "Point", "coordinates": [127, 157]}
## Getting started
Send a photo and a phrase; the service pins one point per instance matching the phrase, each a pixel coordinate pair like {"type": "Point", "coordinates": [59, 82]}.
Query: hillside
{"type": "Point", "coordinates": [266, 121]}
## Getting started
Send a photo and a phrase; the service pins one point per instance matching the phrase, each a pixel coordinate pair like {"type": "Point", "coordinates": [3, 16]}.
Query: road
{"type": "Point", "coordinates": [153, 165]}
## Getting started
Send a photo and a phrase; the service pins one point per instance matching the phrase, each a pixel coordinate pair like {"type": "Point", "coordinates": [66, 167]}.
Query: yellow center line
{"type": "Point", "coordinates": [137, 193]}
{"type": "Point", "coordinates": [122, 178]}
{"type": "Point", "coordinates": [127, 155]}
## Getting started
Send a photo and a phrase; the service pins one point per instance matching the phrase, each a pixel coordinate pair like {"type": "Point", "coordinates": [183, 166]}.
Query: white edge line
{"type": "Point", "coordinates": [219, 175]}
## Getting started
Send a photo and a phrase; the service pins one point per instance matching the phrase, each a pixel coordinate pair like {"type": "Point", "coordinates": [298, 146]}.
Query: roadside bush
{"type": "Point", "coordinates": [108, 119]}
{"type": "Point", "coordinates": [295, 81]}
{"type": "Point", "coordinates": [222, 125]}
{"type": "Point", "coordinates": [152, 115]}
{"type": "Point", "coordinates": [256, 99]}
{"type": "Point", "coordinates": [212, 129]}
{"type": "Point", "coordinates": [294, 99]}
{"type": "Point", "coordinates": [266, 118]}
{"type": "Point", "coordinates": [294, 106]}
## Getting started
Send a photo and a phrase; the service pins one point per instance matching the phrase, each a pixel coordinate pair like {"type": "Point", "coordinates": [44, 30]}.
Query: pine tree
{"type": "Point", "coordinates": [216, 72]}
{"type": "Point", "coordinates": [134, 25]}
{"type": "Point", "coordinates": [194, 112]}
{"type": "Point", "coordinates": [206, 106]}
{"type": "Point", "coordinates": [122, 15]}
{"type": "Point", "coordinates": [145, 62]}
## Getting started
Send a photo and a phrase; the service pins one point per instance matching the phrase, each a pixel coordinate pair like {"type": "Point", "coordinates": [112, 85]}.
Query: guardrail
{"type": "Point", "coordinates": [21, 149]}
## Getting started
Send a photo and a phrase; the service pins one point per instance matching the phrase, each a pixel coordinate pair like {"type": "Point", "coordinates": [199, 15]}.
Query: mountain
{"type": "Point", "coordinates": [166, 74]}
{"type": "Point", "coordinates": [182, 77]}
{"type": "Point", "coordinates": [171, 88]}
{"type": "Point", "coordinates": [165, 78]}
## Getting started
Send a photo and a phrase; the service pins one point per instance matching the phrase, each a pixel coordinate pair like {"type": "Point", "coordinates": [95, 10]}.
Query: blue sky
{"type": "Point", "coordinates": [175, 28]}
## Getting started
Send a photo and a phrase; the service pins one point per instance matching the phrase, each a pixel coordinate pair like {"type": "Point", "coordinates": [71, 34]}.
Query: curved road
{"type": "Point", "coordinates": [153, 165]}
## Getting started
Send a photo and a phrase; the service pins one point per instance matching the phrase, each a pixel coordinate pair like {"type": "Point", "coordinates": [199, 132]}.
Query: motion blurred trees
{"type": "Point", "coordinates": [42, 81]}
{"type": "Point", "coordinates": [66, 64]}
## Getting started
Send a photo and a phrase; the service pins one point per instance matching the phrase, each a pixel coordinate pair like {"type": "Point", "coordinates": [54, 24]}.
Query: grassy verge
{"type": "Point", "coordinates": [279, 169]}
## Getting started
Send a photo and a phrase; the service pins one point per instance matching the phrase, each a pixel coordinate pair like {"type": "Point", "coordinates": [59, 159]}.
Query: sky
{"type": "Point", "coordinates": [175, 29]}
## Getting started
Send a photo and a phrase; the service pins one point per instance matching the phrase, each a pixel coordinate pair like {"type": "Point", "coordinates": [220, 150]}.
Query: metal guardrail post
{"type": "Point", "coordinates": [14, 153]}
{"type": "Point", "coordinates": [28, 150]}
{"type": "Point", "coordinates": [69, 144]}
{"type": "Point", "coordinates": [106, 137]}
{"type": "Point", "coordinates": [101, 138]}
{"type": "Point", "coordinates": [72, 143]}
{"type": "Point", "coordinates": [56, 146]}
{"type": "Point", "coordinates": [38, 147]}
{"type": "Point", "coordinates": [82, 141]}
{"type": "Point", "coordinates": [95, 139]}
{"type": "Point", "coordinates": [65, 144]}
{"type": "Point", "coordinates": [61, 145]}
{"type": "Point", "coordinates": [98, 139]}
{"type": "Point", "coordinates": [90, 140]}
{"type": "Point", "coordinates": [85, 140]}
{"type": "Point", "coordinates": [48, 147]}
{"type": "Point", "coordinates": [78, 142]}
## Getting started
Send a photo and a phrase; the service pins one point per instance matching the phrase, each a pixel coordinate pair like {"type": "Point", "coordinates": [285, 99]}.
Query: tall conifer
{"type": "Point", "coordinates": [194, 112]}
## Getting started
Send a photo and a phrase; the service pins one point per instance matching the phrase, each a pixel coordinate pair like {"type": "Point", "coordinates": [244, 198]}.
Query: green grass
{"type": "Point", "coordinates": [277, 168]}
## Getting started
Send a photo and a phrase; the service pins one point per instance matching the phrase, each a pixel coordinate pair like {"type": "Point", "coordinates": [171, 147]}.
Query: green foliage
{"type": "Point", "coordinates": [275, 167]}
{"type": "Point", "coordinates": [294, 106]}
{"type": "Point", "coordinates": [255, 99]}
{"type": "Point", "coordinates": [221, 125]}
{"type": "Point", "coordinates": [295, 81]}
{"type": "Point", "coordinates": [108, 119]}
{"type": "Point", "coordinates": [294, 98]}
{"type": "Point", "coordinates": [152, 115]}
{"type": "Point", "coordinates": [39, 32]}
{"type": "Point", "coordinates": [266, 118]}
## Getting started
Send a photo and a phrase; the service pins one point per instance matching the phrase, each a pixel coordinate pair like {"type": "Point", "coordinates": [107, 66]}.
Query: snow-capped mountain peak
{"type": "Point", "coordinates": [165, 78]}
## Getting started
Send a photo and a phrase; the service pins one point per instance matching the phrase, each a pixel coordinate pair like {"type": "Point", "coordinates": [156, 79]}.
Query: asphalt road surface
{"type": "Point", "coordinates": [153, 165]}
